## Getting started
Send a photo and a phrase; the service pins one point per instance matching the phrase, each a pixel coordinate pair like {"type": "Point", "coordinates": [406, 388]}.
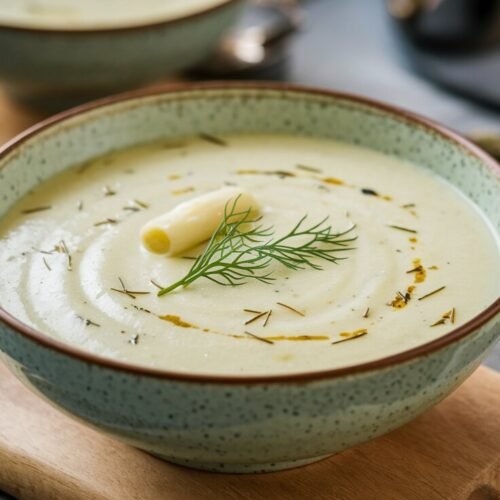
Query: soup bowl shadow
{"type": "Point", "coordinates": [245, 424]}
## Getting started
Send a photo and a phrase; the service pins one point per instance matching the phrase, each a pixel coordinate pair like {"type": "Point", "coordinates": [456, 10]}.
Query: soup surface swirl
{"type": "Point", "coordinates": [72, 258]}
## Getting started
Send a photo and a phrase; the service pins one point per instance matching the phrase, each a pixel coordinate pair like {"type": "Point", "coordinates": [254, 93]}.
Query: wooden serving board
{"type": "Point", "coordinates": [451, 452]}
{"type": "Point", "coordinates": [14, 118]}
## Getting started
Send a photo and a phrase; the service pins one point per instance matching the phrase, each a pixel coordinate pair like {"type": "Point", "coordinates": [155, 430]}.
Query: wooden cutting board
{"type": "Point", "coordinates": [451, 452]}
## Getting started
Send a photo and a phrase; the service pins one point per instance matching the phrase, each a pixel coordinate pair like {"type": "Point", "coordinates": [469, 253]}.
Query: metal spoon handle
{"type": "Point", "coordinates": [290, 19]}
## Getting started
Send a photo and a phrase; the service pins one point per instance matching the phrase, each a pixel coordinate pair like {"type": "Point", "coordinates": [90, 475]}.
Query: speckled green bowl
{"type": "Point", "coordinates": [54, 68]}
{"type": "Point", "coordinates": [245, 424]}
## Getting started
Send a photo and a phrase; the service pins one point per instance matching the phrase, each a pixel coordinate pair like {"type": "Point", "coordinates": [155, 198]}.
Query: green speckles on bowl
{"type": "Point", "coordinates": [246, 424]}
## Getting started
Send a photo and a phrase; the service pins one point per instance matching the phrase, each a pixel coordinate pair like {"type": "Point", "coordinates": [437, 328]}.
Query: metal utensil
{"type": "Point", "coordinates": [255, 47]}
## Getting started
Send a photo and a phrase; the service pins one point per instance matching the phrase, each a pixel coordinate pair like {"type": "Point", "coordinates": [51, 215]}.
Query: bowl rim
{"type": "Point", "coordinates": [119, 29]}
{"type": "Point", "coordinates": [428, 348]}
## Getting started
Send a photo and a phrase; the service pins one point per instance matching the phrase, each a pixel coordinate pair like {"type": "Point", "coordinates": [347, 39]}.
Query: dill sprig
{"type": "Point", "coordinates": [242, 249]}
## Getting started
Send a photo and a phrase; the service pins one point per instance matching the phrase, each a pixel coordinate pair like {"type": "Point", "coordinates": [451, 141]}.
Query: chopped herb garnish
{"type": "Point", "coordinates": [88, 322]}
{"type": "Point", "coordinates": [131, 293]}
{"type": "Point", "coordinates": [279, 173]}
{"type": "Point", "coordinates": [262, 339]}
{"type": "Point", "coordinates": [351, 336]}
{"type": "Point", "coordinates": [308, 168]}
{"type": "Point", "coordinates": [402, 299]}
{"type": "Point", "coordinates": [143, 309]}
{"type": "Point", "coordinates": [367, 313]}
{"type": "Point", "coordinates": [131, 208]}
{"type": "Point", "coordinates": [267, 317]}
{"type": "Point", "coordinates": [441, 321]}
{"type": "Point", "coordinates": [448, 315]}
{"type": "Point", "coordinates": [46, 252]}
{"type": "Point", "coordinates": [417, 269]}
{"type": "Point", "coordinates": [157, 285]}
{"type": "Point", "coordinates": [408, 205]}
{"type": "Point", "coordinates": [252, 311]}
{"type": "Point", "coordinates": [46, 264]}
{"type": "Point", "coordinates": [213, 139]}
{"type": "Point", "coordinates": [432, 293]}
{"type": "Point", "coordinates": [69, 261]}
{"type": "Point", "coordinates": [369, 192]}
{"type": "Point", "coordinates": [298, 338]}
{"type": "Point", "coordinates": [134, 340]}
{"type": "Point", "coordinates": [107, 221]}
{"type": "Point", "coordinates": [255, 318]}
{"type": "Point", "coordinates": [108, 191]}
{"type": "Point", "coordinates": [401, 228]}
{"type": "Point", "coordinates": [282, 173]}
{"type": "Point", "coordinates": [124, 289]}
{"type": "Point", "coordinates": [286, 306]}
{"type": "Point", "coordinates": [35, 210]}
{"type": "Point", "coordinates": [141, 204]}
{"type": "Point", "coordinates": [236, 253]}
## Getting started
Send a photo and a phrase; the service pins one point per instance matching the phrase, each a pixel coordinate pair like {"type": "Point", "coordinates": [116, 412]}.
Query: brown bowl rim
{"type": "Point", "coordinates": [126, 28]}
{"type": "Point", "coordinates": [379, 364]}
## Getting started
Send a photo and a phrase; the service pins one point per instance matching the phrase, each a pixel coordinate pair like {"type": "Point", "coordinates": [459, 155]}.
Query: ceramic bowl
{"type": "Point", "coordinates": [54, 68]}
{"type": "Point", "coordinates": [258, 423]}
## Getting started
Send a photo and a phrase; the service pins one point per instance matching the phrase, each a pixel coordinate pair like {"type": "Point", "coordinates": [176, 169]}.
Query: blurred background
{"type": "Point", "coordinates": [440, 58]}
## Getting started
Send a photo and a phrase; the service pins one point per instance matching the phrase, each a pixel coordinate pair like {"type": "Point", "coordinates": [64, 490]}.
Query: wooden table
{"type": "Point", "coordinates": [14, 118]}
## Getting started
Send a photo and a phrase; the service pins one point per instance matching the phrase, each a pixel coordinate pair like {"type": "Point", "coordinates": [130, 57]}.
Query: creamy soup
{"type": "Point", "coordinates": [67, 14]}
{"type": "Point", "coordinates": [73, 266]}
